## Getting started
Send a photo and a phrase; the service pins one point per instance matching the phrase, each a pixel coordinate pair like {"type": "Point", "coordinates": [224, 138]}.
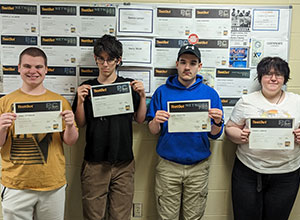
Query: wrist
{"type": "Point", "coordinates": [218, 124]}
{"type": "Point", "coordinates": [155, 123]}
{"type": "Point", "coordinates": [3, 129]}
{"type": "Point", "coordinates": [143, 95]}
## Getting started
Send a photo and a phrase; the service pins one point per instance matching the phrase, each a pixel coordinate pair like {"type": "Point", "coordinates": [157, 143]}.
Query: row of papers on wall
{"type": "Point", "coordinates": [232, 40]}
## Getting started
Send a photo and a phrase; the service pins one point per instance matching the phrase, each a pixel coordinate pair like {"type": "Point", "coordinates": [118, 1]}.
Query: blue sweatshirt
{"type": "Point", "coordinates": [183, 147]}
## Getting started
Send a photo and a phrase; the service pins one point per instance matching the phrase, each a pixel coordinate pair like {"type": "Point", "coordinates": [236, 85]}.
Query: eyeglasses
{"type": "Point", "coordinates": [278, 75]}
{"type": "Point", "coordinates": [109, 61]}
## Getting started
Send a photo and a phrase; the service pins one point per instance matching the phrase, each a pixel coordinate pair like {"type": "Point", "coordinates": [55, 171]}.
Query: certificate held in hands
{"type": "Point", "coordinates": [189, 116]}
{"type": "Point", "coordinates": [112, 99]}
{"type": "Point", "coordinates": [271, 133]}
{"type": "Point", "coordinates": [38, 117]}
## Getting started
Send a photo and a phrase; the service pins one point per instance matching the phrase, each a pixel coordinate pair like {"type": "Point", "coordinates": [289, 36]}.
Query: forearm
{"type": "Point", "coordinates": [141, 113]}
{"type": "Point", "coordinates": [70, 135]}
{"type": "Point", "coordinates": [234, 134]}
{"type": "Point", "coordinates": [154, 127]}
{"type": "Point", "coordinates": [80, 115]}
{"type": "Point", "coordinates": [6, 120]}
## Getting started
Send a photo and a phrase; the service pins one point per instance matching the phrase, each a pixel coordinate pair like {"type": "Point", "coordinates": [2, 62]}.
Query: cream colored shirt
{"type": "Point", "coordinates": [267, 161]}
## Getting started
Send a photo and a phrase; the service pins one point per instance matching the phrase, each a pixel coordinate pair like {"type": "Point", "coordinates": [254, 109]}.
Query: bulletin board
{"type": "Point", "coordinates": [232, 40]}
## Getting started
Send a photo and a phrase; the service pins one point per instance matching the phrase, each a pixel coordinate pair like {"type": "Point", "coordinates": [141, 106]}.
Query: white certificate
{"type": "Point", "coordinates": [87, 73]}
{"type": "Point", "coordinates": [135, 21]}
{"type": "Point", "coordinates": [139, 74]}
{"type": "Point", "coordinates": [19, 19]}
{"type": "Point", "coordinates": [13, 45]}
{"type": "Point", "coordinates": [111, 99]}
{"type": "Point", "coordinates": [86, 51]}
{"type": "Point", "coordinates": [174, 22]}
{"type": "Point", "coordinates": [212, 23]}
{"type": "Point", "coordinates": [86, 56]}
{"type": "Point", "coordinates": [271, 23]}
{"type": "Point", "coordinates": [271, 133]}
{"type": "Point", "coordinates": [166, 51]}
{"type": "Point", "coordinates": [161, 75]}
{"type": "Point", "coordinates": [266, 19]}
{"type": "Point", "coordinates": [59, 19]}
{"type": "Point", "coordinates": [38, 117]}
{"type": "Point", "coordinates": [61, 79]}
{"type": "Point", "coordinates": [137, 52]}
{"type": "Point", "coordinates": [189, 116]}
{"type": "Point", "coordinates": [11, 78]}
{"type": "Point", "coordinates": [268, 47]}
{"type": "Point", "coordinates": [97, 21]}
{"type": "Point", "coordinates": [228, 105]}
{"type": "Point", "coordinates": [232, 82]}
{"type": "Point", "coordinates": [214, 52]}
{"type": "Point", "coordinates": [60, 50]}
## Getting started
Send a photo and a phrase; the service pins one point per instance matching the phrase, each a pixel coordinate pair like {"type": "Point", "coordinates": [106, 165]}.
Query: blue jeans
{"type": "Point", "coordinates": [258, 196]}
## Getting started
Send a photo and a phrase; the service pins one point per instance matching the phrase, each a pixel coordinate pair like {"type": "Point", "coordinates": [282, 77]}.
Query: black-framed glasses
{"type": "Point", "coordinates": [278, 75]}
{"type": "Point", "coordinates": [101, 61]}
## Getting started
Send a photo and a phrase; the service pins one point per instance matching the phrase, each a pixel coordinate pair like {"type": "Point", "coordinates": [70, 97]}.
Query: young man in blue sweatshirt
{"type": "Point", "coordinates": [182, 169]}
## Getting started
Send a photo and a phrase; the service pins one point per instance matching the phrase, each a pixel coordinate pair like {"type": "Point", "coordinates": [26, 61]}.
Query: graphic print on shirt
{"type": "Point", "coordinates": [273, 113]}
{"type": "Point", "coordinates": [28, 149]}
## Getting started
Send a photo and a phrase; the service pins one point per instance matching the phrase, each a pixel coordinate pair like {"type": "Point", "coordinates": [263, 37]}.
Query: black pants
{"type": "Point", "coordinates": [258, 196]}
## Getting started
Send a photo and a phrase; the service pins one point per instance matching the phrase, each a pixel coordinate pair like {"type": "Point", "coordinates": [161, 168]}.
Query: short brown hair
{"type": "Point", "coordinates": [34, 52]}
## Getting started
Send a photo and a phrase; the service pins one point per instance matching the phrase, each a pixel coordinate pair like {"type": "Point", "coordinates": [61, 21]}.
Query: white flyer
{"type": "Point", "coordinates": [38, 117]}
{"type": "Point", "coordinates": [112, 99]}
{"type": "Point", "coordinates": [271, 133]}
{"type": "Point", "coordinates": [189, 116]}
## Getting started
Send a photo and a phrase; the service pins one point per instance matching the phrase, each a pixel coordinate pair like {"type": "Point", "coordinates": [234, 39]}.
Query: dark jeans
{"type": "Point", "coordinates": [258, 196]}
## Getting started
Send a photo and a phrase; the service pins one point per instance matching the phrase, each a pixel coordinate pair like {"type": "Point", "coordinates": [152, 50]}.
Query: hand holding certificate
{"type": "Point", "coordinates": [189, 116]}
{"type": "Point", "coordinates": [112, 99]}
{"type": "Point", "coordinates": [38, 117]}
{"type": "Point", "coordinates": [271, 133]}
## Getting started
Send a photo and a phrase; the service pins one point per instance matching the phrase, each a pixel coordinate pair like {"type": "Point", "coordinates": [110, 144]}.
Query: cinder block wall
{"type": "Point", "coordinates": [219, 198]}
